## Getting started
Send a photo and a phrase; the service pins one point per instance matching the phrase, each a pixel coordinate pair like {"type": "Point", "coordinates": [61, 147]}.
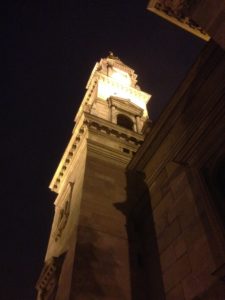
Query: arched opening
{"type": "Point", "coordinates": [125, 122]}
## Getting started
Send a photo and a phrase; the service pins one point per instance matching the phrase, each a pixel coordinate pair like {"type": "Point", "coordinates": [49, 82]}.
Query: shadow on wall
{"type": "Point", "coordinates": [145, 271]}
{"type": "Point", "coordinates": [95, 265]}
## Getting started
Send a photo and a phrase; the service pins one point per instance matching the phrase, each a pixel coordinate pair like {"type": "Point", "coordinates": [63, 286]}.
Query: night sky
{"type": "Point", "coordinates": [49, 49]}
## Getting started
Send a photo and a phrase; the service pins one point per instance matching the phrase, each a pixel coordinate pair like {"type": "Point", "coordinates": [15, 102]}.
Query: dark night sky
{"type": "Point", "coordinates": [49, 49]}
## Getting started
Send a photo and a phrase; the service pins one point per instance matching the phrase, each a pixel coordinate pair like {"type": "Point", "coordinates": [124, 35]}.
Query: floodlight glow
{"type": "Point", "coordinates": [121, 77]}
{"type": "Point", "coordinates": [110, 88]}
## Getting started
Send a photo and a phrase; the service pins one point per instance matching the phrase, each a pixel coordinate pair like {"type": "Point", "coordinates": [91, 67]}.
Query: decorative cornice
{"type": "Point", "coordinates": [67, 158]}
{"type": "Point", "coordinates": [110, 154]}
{"type": "Point", "coordinates": [125, 105]}
{"type": "Point", "coordinates": [113, 129]}
{"type": "Point", "coordinates": [176, 13]}
{"type": "Point", "coordinates": [87, 123]}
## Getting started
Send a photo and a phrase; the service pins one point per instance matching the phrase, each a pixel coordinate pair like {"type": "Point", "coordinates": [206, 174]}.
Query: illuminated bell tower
{"type": "Point", "coordinates": [88, 256]}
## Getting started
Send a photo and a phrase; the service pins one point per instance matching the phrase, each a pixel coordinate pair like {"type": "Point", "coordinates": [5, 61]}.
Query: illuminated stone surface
{"type": "Point", "coordinates": [90, 181]}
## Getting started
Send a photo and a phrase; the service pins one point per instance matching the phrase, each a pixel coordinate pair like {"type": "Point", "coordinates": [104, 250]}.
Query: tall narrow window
{"type": "Point", "coordinates": [125, 121]}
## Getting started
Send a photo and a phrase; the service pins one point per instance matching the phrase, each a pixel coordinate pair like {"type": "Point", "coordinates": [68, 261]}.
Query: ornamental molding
{"type": "Point", "coordinates": [128, 139]}
{"type": "Point", "coordinates": [176, 12]}
{"type": "Point", "coordinates": [125, 105]}
{"type": "Point", "coordinates": [108, 154]}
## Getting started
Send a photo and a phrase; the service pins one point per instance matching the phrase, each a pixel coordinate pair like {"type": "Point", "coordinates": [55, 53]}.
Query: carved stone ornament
{"type": "Point", "coordinates": [176, 11]}
{"type": "Point", "coordinates": [64, 214]}
{"type": "Point", "coordinates": [48, 281]}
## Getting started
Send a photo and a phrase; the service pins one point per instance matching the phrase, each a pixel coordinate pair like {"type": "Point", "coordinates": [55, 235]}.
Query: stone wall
{"type": "Point", "coordinates": [186, 260]}
{"type": "Point", "coordinates": [101, 267]}
{"type": "Point", "coordinates": [178, 154]}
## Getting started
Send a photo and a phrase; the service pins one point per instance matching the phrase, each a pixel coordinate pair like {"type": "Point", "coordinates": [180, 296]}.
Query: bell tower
{"type": "Point", "coordinates": [87, 255]}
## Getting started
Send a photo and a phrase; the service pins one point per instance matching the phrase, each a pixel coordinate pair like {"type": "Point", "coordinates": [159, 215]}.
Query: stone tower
{"type": "Point", "coordinates": [88, 255]}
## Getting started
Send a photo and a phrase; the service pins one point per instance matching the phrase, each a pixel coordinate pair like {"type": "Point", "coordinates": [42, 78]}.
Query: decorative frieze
{"type": "Point", "coordinates": [177, 13]}
{"type": "Point", "coordinates": [100, 126]}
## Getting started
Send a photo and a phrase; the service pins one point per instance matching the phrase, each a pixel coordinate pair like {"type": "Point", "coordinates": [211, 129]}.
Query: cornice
{"type": "Point", "coordinates": [125, 105]}
{"type": "Point", "coordinates": [89, 123]}
{"type": "Point", "coordinates": [69, 154]}
{"type": "Point", "coordinates": [104, 152]}
{"type": "Point", "coordinates": [113, 129]}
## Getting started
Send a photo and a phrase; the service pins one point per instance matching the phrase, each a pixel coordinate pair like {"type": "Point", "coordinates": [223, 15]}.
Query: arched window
{"type": "Point", "coordinates": [125, 121]}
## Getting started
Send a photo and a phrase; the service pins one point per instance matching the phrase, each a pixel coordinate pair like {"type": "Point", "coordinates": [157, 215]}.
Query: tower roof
{"type": "Point", "coordinates": [112, 56]}
{"type": "Point", "coordinates": [116, 60]}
